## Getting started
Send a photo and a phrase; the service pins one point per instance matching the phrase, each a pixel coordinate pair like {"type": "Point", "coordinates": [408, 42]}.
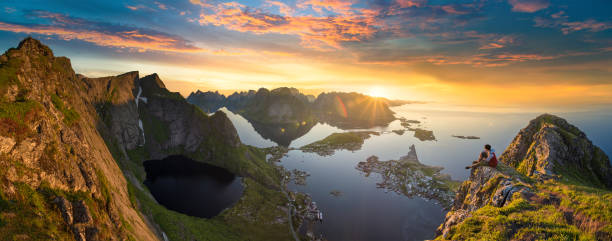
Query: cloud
{"type": "Point", "coordinates": [561, 21]}
{"type": "Point", "coordinates": [499, 43]}
{"type": "Point", "coordinates": [528, 6]}
{"type": "Point", "coordinates": [282, 7]}
{"type": "Point", "coordinates": [161, 6]}
{"type": "Point", "coordinates": [588, 25]}
{"type": "Point", "coordinates": [102, 34]}
{"type": "Point", "coordinates": [411, 3]}
{"type": "Point", "coordinates": [317, 32]}
{"type": "Point", "coordinates": [335, 6]}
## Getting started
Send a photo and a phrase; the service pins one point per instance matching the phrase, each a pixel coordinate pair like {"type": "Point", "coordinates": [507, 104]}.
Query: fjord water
{"type": "Point", "coordinates": [191, 187]}
{"type": "Point", "coordinates": [365, 212]}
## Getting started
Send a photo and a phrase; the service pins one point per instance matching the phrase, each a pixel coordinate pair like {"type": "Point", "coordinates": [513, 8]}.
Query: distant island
{"type": "Point", "coordinates": [466, 137]}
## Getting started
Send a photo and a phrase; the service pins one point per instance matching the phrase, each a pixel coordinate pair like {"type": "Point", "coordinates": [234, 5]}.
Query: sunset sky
{"type": "Point", "coordinates": [497, 53]}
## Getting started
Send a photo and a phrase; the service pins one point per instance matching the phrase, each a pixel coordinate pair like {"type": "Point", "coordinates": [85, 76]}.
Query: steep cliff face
{"type": "Point", "coordinates": [58, 179]}
{"type": "Point", "coordinates": [557, 190]}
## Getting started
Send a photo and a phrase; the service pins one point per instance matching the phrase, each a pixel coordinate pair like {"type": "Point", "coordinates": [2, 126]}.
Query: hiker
{"type": "Point", "coordinates": [487, 158]}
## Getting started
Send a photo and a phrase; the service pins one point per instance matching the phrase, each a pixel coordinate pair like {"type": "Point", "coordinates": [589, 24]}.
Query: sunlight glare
{"type": "Point", "coordinates": [377, 91]}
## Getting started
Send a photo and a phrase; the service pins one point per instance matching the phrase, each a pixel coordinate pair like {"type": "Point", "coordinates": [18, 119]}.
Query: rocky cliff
{"type": "Point", "coordinates": [58, 179]}
{"type": "Point", "coordinates": [550, 184]}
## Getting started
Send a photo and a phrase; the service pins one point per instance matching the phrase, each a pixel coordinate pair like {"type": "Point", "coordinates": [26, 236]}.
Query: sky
{"type": "Point", "coordinates": [514, 54]}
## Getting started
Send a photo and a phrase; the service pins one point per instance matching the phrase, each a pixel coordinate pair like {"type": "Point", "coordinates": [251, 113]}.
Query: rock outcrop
{"type": "Point", "coordinates": [551, 147]}
{"type": "Point", "coordinates": [550, 177]}
{"type": "Point", "coordinates": [56, 171]}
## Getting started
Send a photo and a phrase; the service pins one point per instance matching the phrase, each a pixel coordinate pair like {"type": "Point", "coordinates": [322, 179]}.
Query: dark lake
{"type": "Point", "coordinates": [190, 187]}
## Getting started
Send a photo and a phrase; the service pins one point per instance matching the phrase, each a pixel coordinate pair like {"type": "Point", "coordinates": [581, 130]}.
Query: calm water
{"type": "Point", "coordinates": [364, 212]}
{"type": "Point", "coordinates": [193, 188]}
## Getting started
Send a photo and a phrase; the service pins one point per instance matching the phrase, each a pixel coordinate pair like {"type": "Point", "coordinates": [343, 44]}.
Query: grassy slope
{"type": "Point", "coordinates": [557, 213]}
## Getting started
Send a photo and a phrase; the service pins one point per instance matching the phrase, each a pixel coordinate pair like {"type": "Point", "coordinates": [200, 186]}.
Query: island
{"type": "Point", "coordinates": [407, 176]}
{"type": "Point", "coordinates": [351, 141]}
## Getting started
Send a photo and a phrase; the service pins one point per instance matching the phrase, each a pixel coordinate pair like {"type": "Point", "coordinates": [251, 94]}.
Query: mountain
{"type": "Point", "coordinates": [352, 110]}
{"type": "Point", "coordinates": [284, 114]}
{"type": "Point", "coordinates": [58, 178]}
{"type": "Point", "coordinates": [552, 183]}
{"type": "Point", "coordinates": [72, 151]}
{"type": "Point", "coordinates": [207, 101]}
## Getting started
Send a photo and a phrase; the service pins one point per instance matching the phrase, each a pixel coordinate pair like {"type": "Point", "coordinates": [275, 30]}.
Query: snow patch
{"type": "Point", "coordinates": [142, 131]}
{"type": "Point", "coordinates": [138, 96]}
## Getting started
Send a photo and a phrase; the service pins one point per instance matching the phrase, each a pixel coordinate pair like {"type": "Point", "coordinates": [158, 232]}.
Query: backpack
{"type": "Point", "coordinates": [493, 160]}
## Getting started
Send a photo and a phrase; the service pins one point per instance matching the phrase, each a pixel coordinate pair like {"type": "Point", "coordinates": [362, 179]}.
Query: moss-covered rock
{"type": "Point", "coordinates": [545, 188]}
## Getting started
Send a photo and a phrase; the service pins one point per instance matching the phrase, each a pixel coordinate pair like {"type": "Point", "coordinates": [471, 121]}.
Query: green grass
{"type": "Point", "coordinates": [29, 214]}
{"type": "Point", "coordinates": [14, 117]}
{"type": "Point", "coordinates": [518, 220]}
{"type": "Point", "coordinates": [593, 202]}
{"type": "Point", "coordinates": [8, 72]}
{"type": "Point", "coordinates": [255, 213]}
{"type": "Point", "coordinates": [156, 127]}
{"type": "Point", "coordinates": [70, 115]}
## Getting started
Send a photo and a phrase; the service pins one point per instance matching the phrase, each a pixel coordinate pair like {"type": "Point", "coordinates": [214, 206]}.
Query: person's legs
{"type": "Point", "coordinates": [477, 164]}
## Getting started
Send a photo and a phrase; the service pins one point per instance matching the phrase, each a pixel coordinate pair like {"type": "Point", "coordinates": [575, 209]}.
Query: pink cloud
{"type": "Point", "coordinates": [103, 34]}
{"type": "Point", "coordinates": [321, 33]}
{"type": "Point", "coordinates": [528, 6]}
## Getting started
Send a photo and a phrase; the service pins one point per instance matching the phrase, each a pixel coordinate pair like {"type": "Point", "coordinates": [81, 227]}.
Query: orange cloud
{"type": "Point", "coordinates": [499, 43]}
{"type": "Point", "coordinates": [321, 33]}
{"type": "Point", "coordinates": [121, 39]}
{"type": "Point", "coordinates": [489, 60]}
{"type": "Point", "coordinates": [411, 3]}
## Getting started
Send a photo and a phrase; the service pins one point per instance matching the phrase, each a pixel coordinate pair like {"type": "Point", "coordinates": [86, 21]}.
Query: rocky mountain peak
{"type": "Point", "coordinates": [31, 46]}
{"type": "Point", "coordinates": [152, 81]}
{"type": "Point", "coordinates": [551, 147]}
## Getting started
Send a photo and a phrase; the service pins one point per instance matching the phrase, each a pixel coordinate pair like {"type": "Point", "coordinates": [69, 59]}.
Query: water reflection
{"type": "Point", "coordinates": [363, 211]}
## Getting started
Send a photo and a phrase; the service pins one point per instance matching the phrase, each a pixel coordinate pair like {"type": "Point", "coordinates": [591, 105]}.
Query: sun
{"type": "Point", "coordinates": [377, 91]}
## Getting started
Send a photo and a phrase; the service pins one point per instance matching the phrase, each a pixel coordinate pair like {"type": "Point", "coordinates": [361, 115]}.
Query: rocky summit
{"type": "Point", "coordinates": [552, 184]}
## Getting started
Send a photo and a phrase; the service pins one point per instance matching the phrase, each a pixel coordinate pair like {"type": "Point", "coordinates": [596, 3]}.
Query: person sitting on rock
{"type": "Point", "coordinates": [487, 158]}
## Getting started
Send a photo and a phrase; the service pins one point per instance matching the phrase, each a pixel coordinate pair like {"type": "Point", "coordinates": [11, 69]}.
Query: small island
{"type": "Point", "coordinates": [407, 176]}
{"type": "Point", "coordinates": [423, 135]}
{"type": "Point", "coordinates": [336, 193]}
{"type": "Point", "coordinates": [466, 137]}
{"type": "Point", "coordinates": [351, 141]}
{"type": "Point", "coordinates": [407, 123]}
